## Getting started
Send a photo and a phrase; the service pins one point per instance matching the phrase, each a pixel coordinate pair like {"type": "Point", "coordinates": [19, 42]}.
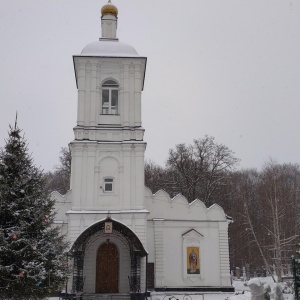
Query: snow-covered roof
{"type": "Point", "coordinates": [109, 48]}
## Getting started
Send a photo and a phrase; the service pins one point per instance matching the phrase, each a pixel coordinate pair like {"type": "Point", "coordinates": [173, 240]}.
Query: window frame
{"type": "Point", "coordinates": [111, 182]}
{"type": "Point", "coordinates": [107, 108]}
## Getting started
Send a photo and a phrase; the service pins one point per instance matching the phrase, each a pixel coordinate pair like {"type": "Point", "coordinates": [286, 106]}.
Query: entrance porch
{"type": "Point", "coordinates": [109, 262]}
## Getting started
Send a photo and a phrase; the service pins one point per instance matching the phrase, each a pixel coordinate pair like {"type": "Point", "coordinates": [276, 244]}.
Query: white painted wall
{"type": "Point", "coordinates": [90, 73]}
{"type": "Point", "coordinates": [169, 223]}
{"type": "Point", "coordinates": [92, 163]}
{"type": "Point", "coordinates": [164, 228]}
{"type": "Point", "coordinates": [76, 222]}
{"type": "Point", "coordinates": [108, 145]}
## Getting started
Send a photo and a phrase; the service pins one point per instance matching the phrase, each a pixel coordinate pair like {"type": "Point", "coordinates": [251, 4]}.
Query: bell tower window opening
{"type": "Point", "coordinates": [108, 185]}
{"type": "Point", "coordinates": [110, 95]}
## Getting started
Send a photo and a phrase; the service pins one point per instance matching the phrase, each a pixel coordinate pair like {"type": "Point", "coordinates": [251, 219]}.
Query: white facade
{"type": "Point", "coordinates": [107, 189]}
{"type": "Point", "coordinates": [174, 225]}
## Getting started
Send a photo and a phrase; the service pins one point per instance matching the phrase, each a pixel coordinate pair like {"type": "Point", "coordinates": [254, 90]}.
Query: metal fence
{"type": "Point", "coordinates": [95, 297]}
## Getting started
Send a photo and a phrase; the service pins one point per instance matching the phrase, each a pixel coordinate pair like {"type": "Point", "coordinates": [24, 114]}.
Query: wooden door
{"type": "Point", "coordinates": [107, 269]}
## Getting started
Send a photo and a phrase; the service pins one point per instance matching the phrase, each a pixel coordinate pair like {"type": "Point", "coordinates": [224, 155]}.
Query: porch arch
{"type": "Point", "coordinates": [121, 232]}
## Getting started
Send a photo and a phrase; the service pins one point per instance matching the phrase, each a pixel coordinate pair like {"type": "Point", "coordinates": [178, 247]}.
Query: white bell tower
{"type": "Point", "coordinates": [109, 217]}
{"type": "Point", "coordinates": [108, 149]}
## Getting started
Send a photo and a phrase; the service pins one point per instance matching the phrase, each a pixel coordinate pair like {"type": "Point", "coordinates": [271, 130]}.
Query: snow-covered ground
{"type": "Point", "coordinates": [242, 292]}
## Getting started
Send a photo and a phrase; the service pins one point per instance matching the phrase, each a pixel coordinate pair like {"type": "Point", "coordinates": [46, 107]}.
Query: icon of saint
{"type": "Point", "coordinates": [193, 261]}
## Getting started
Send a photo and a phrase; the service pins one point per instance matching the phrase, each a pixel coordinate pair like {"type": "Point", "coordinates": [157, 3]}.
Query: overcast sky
{"type": "Point", "coordinates": [226, 68]}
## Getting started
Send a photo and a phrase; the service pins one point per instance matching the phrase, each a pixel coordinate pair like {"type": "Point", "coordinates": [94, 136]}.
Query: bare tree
{"type": "Point", "coordinates": [154, 176]}
{"type": "Point", "coordinates": [245, 237]}
{"type": "Point", "coordinates": [59, 180]}
{"type": "Point", "coordinates": [280, 197]}
{"type": "Point", "coordinates": [251, 213]}
{"type": "Point", "coordinates": [65, 162]}
{"type": "Point", "coordinates": [264, 206]}
{"type": "Point", "coordinates": [200, 169]}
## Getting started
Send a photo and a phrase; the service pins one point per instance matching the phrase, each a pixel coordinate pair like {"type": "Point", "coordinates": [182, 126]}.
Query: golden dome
{"type": "Point", "coordinates": [109, 9]}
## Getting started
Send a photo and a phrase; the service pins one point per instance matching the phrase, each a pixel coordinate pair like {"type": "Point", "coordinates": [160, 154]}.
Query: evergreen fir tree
{"type": "Point", "coordinates": [32, 258]}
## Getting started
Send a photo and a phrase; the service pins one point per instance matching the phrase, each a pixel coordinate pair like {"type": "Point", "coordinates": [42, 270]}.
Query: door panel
{"type": "Point", "coordinates": [107, 269]}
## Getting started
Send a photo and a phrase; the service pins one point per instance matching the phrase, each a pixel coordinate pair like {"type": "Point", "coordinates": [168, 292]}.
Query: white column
{"type": "Point", "coordinates": [143, 274]}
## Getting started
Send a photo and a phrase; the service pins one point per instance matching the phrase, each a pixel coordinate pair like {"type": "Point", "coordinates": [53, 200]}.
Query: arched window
{"type": "Point", "coordinates": [110, 93]}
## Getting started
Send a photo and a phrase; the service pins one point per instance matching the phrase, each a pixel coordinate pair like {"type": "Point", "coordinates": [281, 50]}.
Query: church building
{"type": "Point", "coordinates": [125, 241]}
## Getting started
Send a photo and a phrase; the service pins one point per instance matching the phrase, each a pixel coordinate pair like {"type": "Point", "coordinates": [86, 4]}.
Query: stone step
{"type": "Point", "coordinates": [106, 297]}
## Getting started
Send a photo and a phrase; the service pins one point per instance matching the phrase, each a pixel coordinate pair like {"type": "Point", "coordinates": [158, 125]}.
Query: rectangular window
{"type": "Point", "coordinates": [108, 185]}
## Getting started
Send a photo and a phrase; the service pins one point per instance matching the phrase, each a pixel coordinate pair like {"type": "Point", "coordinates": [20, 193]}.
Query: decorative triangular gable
{"type": "Point", "coordinates": [192, 233]}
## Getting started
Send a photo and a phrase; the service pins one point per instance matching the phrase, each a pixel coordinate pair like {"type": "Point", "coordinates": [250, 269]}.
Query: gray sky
{"type": "Point", "coordinates": [226, 68]}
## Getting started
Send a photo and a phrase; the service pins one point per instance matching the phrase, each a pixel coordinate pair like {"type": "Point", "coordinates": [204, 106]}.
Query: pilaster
{"type": "Point", "coordinates": [121, 93]}
{"type": "Point", "coordinates": [133, 176]}
{"type": "Point", "coordinates": [126, 95]}
{"type": "Point", "coordinates": [126, 175]}
{"type": "Point", "coordinates": [84, 177]}
{"type": "Point", "coordinates": [81, 93]}
{"type": "Point", "coordinates": [131, 95]}
{"type": "Point", "coordinates": [98, 95]}
{"type": "Point", "coordinates": [140, 179]}
{"type": "Point", "coordinates": [96, 185]}
{"type": "Point", "coordinates": [90, 193]}
{"type": "Point", "coordinates": [76, 176]}
{"type": "Point", "coordinates": [137, 96]}
{"type": "Point", "coordinates": [87, 98]}
{"type": "Point", "coordinates": [224, 254]}
{"type": "Point", "coordinates": [159, 251]}
{"type": "Point", "coordinates": [121, 178]}
{"type": "Point", "coordinates": [93, 95]}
